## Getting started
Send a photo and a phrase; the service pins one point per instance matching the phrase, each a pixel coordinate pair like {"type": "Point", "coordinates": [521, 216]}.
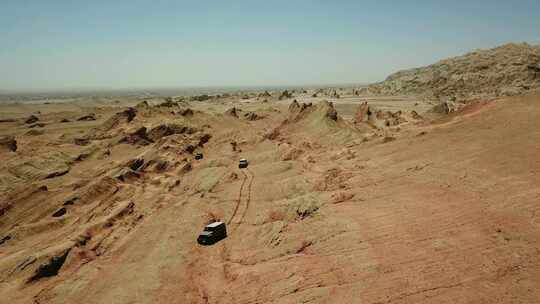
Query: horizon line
{"type": "Point", "coordinates": [97, 89]}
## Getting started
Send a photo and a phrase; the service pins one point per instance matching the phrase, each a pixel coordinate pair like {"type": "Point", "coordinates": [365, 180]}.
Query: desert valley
{"type": "Point", "coordinates": [423, 188]}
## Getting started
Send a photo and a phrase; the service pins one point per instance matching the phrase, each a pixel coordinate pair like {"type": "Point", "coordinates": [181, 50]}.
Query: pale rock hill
{"type": "Point", "coordinates": [508, 70]}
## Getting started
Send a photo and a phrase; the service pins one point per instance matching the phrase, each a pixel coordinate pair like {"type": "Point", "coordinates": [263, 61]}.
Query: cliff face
{"type": "Point", "coordinates": [511, 69]}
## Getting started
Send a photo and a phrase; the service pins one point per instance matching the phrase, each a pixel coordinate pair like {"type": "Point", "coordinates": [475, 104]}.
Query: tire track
{"type": "Point", "coordinates": [248, 201]}
{"type": "Point", "coordinates": [239, 199]}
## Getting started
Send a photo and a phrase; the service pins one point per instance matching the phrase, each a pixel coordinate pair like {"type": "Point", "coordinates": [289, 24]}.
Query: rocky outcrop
{"type": "Point", "coordinates": [129, 114]}
{"type": "Point", "coordinates": [330, 112]}
{"type": "Point", "coordinates": [204, 139]}
{"type": "Point", "coordinates": [37, 125]}
{"type": "Point", "coordinates": [139, 137]}
{"type": "Point", "coordinates": [232, 112]}
{"type": "Point", "coordinates": [321, 113]}
{"type": "Point", "coordinates": [203, 97]}
{"type": "Point", "coordinates": [168, 103]}
{"type": "Point", "coordinates": [126, 174]}
{"type": "Point", "coordinates": [535, 68]}
{"type": "Point", "coordinates": [506, 70]}
{"type": "Point", "coordinates": [51, 267]}
{"type": "Point", "coordinates": [143, 104]}
{"type": "Point", "coordinates": [135, 164]}
{"type": "Point", "coordinates": [441, 108]}
{"type": "Point", "coordinates": [363, 113]}
{"type": "Point", "coordinates": [156, 165]}
{"type": "Point", "coordinates": [294, 107]}
{"type": "Point", "coordinates": [416, 116]}
{"type": "Point", "coordinates": [187, 167]}
{"type": "Point", "coordinates": [272, 134]}
{"type": "Point", "coordinates": [161, 131]}
{"type": "Point", "coordinates": [144, 137]}
{"type": "Point", "coordinates": [252, 116]}
{"type": "Point", "coordinates": [298, 110]}
{"type": "Point", "coordinates": [265, 94]}
{"type": "Point", "coordinates": [302, 207]}
{"type": "Point", "coordinates": [379, 118]}
{"type": "Point", "coordinates": [89, 117]}
{"type": "Point", "coordinates": [81, 141]}
{"type": "Point", "coordinates": [186, 112]}
{"type": "Point", "coordinates": [8, 143]}
{"type": "Point", "coordinates": [31, 119]}
{"type": "Point", "coordinates": [113, 126]}
{"type": "Point", "coordinates": [34, 132]}
{"type": "Point", "coordinates": [388, 118]}
{"type": "Point", "coordinates": [117, 119]}
{"type": "Point", "coordinates": [285, 95]}
{"type": "Point", "coordinates": [44, 166]}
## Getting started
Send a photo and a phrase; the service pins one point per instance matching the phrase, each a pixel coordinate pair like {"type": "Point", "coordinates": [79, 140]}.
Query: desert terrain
{"type": "Point", "coordinates": [352, 195]}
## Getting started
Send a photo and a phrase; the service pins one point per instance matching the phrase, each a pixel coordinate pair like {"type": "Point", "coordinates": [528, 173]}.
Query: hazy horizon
{"type": "Point", "coordinates": [168, 91]}
{"type": "Point", "coordinates": [137, 45]}
{"type": "Point", "coordinates": [276, 86]}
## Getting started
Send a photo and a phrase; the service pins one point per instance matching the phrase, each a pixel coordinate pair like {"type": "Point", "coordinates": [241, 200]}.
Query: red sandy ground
{"type": "Point", "coordinates": [450, 216]}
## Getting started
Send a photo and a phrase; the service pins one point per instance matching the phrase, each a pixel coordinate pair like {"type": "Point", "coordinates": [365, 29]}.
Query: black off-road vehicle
{"type": "Point", "coordinates": [212, 233]}
{"type": "Point", "coordinates": [243, 163]}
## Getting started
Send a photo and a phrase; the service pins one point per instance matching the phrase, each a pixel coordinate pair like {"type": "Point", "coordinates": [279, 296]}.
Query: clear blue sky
{"type": "Point", "coordinates": [54, 44]}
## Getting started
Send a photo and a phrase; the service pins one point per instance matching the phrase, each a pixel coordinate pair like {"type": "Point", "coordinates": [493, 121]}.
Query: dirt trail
{"type": "Point", "coordinates": [239, 199]}
{"type": "Point", "coordinates": [251, 177]}
{"type": "Point", "coordinates": [242, 204]}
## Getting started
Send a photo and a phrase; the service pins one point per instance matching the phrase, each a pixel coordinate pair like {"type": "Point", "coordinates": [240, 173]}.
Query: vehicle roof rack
{"type": "Point", "coordinates": [214, 224]}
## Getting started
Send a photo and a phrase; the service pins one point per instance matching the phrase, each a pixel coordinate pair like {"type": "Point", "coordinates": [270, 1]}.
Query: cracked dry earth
{"type": "Point", "coordinates": [448, 212]}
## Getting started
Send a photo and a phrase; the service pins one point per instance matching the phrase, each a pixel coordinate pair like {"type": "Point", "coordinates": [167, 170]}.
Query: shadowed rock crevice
{"type": "Point", "coordinates": [139, 137]}
{"type": "Point", "coordinates": [135, 164]}
{"type": "Point", "coordinates": [164, 130]}
{"type": "Point", "coordinates": [60, 212]}
{"type": "Point", "coordinates": [89, 117]}
{"type": "Point", "coordinates": [5, 239]}
{"type": "Point", "coordinates": [232, 112]}
{"type": "Point", "coordinates": [31, 119]}
{"type": "Point", "coordinates": [8, 143]}
{"type": "Point", "coordinates": [50, 268]}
